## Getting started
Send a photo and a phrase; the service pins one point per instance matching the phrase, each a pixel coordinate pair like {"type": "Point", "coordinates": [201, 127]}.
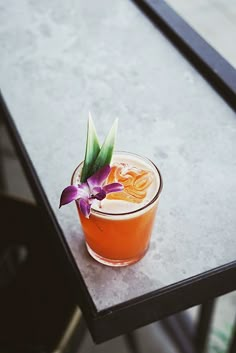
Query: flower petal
{"type": "Point", "coordinates": [85, 207]}
{"type": "Point", "coordinates": [84, 191]}
{"type": "Point", "coordinates": [113, 187]}
{"type": "Point", "coordinates": [99, 193]}
{"type": "Point", "coordinates": [69, 194]}
{"type": "Point", "coordinates": [99, 177]}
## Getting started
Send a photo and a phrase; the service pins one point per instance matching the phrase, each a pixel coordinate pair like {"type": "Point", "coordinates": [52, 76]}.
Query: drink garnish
{"type": "Point", "coordinates": [97, 157]}
{"type": "Point", "coordinates": [93, 189]}
{"type": "Point", "coordinates": [136, 182]}
{"type": "Point", "coordinates": [94, 173]}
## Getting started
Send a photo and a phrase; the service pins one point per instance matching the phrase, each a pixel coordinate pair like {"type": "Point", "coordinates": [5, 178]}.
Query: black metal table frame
{"type": "Point", "coordinates": [159, 304]}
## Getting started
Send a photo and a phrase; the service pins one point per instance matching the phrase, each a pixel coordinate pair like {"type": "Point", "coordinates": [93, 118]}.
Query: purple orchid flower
{"type": "Point", "coordinates": [92, 189]}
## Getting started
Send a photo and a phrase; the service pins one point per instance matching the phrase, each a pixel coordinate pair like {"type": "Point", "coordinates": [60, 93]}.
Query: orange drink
{"type": "Point", "coordinates": [118, 231]}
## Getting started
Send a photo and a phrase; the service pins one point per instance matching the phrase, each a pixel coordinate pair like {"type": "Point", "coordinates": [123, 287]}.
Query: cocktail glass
{"type": "Point", "coordinates": [120, 239]}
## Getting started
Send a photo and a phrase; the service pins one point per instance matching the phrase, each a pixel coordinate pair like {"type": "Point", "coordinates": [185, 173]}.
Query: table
{"type": "Point", "coordinates": [58, 63]}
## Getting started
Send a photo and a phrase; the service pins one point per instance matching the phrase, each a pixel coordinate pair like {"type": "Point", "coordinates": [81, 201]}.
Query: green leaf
{"type": "Point", "coordinates": [105, 154]}
{"type": "Point", "coordinates": [92, 150]}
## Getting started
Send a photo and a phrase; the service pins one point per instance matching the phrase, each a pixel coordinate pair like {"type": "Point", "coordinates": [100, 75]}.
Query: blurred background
{"type": "Point", "coordinates": [50, 321]}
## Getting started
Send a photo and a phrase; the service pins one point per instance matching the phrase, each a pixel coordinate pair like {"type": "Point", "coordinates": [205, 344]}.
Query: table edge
{"type": "Point", "coordinates": [218, 72]}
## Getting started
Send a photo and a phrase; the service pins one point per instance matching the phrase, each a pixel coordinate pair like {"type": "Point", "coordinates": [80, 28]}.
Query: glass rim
{"type": "Point", "coordinates": [155, 197]}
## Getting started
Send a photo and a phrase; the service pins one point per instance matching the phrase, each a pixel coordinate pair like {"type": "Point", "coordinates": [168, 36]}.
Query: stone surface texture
{"type": "Point", "coordinates": [61, 59]}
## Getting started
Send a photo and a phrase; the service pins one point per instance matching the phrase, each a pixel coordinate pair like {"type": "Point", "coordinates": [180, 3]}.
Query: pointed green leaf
{"type": "Point", "coordinates": [105, 154]}
{"type": "Point", "coordinates": [92, 150]}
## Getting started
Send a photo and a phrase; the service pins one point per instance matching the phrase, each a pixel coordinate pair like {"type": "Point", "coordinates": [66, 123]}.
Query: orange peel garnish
{"type": "Point", "coordinates": [135, 181]}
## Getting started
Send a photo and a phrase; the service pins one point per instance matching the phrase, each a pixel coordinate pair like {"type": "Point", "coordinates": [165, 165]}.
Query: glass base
{"type": "Point", "coordinates": [114, 263]}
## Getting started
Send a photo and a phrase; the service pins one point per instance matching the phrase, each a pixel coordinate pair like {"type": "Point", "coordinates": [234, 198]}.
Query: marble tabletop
{"type": "Point", "coordinates": [62, 59]}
